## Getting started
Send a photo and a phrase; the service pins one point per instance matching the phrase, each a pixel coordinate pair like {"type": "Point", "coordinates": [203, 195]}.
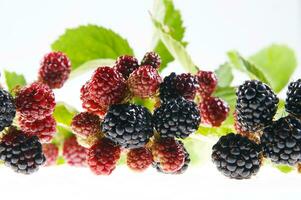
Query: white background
{"type": "Point", "coordinates": [213, 27]}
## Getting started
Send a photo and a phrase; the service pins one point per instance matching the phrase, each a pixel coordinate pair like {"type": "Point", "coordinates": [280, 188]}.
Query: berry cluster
{"type": "Point", "coordinates": [21, 149]}
{"type": "Point", "coordinates": [113, 123]}
{"type": "Point", "coordinates": [259, 136]}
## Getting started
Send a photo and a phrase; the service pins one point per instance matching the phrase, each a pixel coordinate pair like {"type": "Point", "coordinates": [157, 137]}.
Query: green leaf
{"type": "Point", "coordinates": [224, 75]}
{"type": "Point", "coordinates": [277, 62]}
{"type": "Point", "coordinates": [91, 65]}
{"type": "Point", "coordinates": [13, 80]}
{"type": "Point", "coordinates": [281, 110]}
{"type": "Point", "coordinates": [284, 168]}
{"type": "Point", "coordinates": [228, 94]}
{"type": "Point", "coordinates": [245, 65]}
{"type": "Point", "coordinates": [165, 12]}
{"type": "Point", "coordinates": [63, 114]}
{"type": "Point", "coordinates": [91, 42]}
{"type": "Point", "coordinates": [175, 48]}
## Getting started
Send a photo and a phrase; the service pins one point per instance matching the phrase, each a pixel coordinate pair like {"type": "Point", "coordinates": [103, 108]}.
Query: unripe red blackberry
{"type": "Point", "coordinates": [20, 152]}
{"type": "Point", "coordinates": [151, 58]}
{"type": "Point", "coordinates": [35, 101]}
{"type": "Point", "coordinates": [55, 69]}
{"type": "Point", "coordinates": [45, 128]}
{"type": "Point", "coordinates": [126, 65]}
{"type": "Point", "coordinates": [85, 124]}
{"type": "Point", "coordinates": [106, 87]}
{"type": "Point", "coordinates": [74, 154]}
{"type": "Point", "coordinates": [139, 159]}
{"type": "Point", "coordinates": [103, 157]}
{"type": "Point", "coordinates": [207, 83]}
{"type": "Point", "coordinates": [51, 152]}
{"type": "Point", "coordinates": [169, 154]}
{"type": "Point", "coordinates": [186, 85]}
{"type": "Point", "coordinates": [144, 82]}
{"type": "Point", "coordinates": [213, 111]}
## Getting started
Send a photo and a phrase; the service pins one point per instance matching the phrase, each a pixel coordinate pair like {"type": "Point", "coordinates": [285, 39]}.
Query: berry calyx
{"type": "Point", "coordinates": [55, 69]}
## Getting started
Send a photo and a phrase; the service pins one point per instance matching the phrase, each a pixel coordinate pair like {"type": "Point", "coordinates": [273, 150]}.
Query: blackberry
{"type": "Point", "coordinates": [7, 109]}
{"type": "Point", "coordinates": [20, 152]}
{"type": "Point", "coordinates": [177, 118]}
{"type": "Point", "coordinates": [236, 156]}
{"type": "Point", "coordinates": [128, 125]}
{"type": "Point", "coordinates": [151, 58]}
{"type": "Point", "coordinates": [187, 85]}
{"type": "Point", "coordinates": [168, 155]}
{"type": "Point", "coordinates": [168, 89]}
{"type": "Point", "coordinates": [126, 65]}
{"type": "Point", "coordinates": [293, 99]}
{"type": "Point", "coordinates": [281, 141]}
{"type": "Point", "coordinates": [182, 170]}
{"type": "Point", "coordinates": [256, 105]}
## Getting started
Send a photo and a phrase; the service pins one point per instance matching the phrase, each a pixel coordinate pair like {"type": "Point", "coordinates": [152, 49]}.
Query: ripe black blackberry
{"type": "Point", "coordinates": [128, 125]}
{"type": "Point", "coordinates": [177, 118]}
{"type": "Point", "coordinates": [256, 105]}
{"type": "Point", "coordinates": [20, 152]}
{"type": "Point", "coordinates": [281, 141]}
{"type": "Point", "coordinates": [293, 99]}
{"type": "Point", "coordinates": [7, 109]}
{"type": "Point", "coordinates": [168, 89]}
{"type": "Point", "coordinates": [236, 156]}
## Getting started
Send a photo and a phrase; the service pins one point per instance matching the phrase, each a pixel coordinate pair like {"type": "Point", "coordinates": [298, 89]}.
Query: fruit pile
{"type": "Point", "coordinates": [240, 156]}
{"type": "Point", "coordinates": [113, 122]}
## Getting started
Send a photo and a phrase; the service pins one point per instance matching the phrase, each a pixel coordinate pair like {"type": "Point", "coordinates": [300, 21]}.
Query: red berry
{"type": "Point", "coordinates": [126, 65]}
{"type": "Point", "coordinates": [55, 69]}
{"type": "Point", "coordinates": [74, 154]}
{"type": "Point", "coordinates": [213, 111]}
{"type": "Point", "coordinates": [51, 152]}
{"type": "Point", "coordinates": [151, 58]}
{"type": "Point", "coordinates": [186, 85]}
{"type": "Point", "coordinates": [169, 154]}
{"type": "Point", "coordinates": [106, 87]}
{"type": "Point", "coordinates": [207, 81]}
{"type": "Point", "coordinates": [44, 128]}
{"type": "Point", "coordinates": [144, 82]}
{"type": "Point", "coordinates": [35, 101]}
{"type": "Point", "coordinates": [103, 157]}
{"type": "Point", "coordinates": [85, 124]}
{"type": "Point", "coordinates": [139, 159]}
{"type": "Point", "coordinates": [90, 105]}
